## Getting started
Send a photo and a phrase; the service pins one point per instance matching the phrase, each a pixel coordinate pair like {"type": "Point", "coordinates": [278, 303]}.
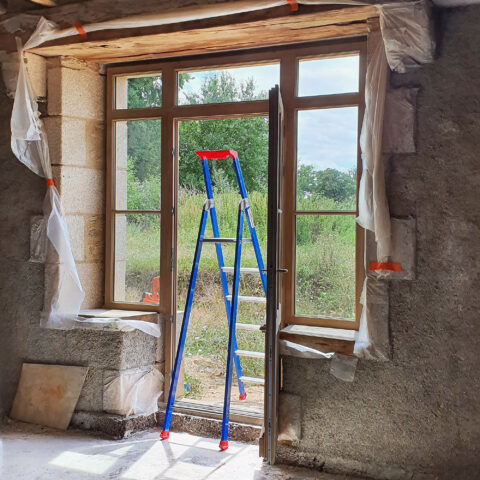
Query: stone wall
{"type": "Point", "coordinates": [417, 415]}
{"type": "Point", "coordinates": [76, 134]}
{"type": "Point", "coordinates": [74, 120]}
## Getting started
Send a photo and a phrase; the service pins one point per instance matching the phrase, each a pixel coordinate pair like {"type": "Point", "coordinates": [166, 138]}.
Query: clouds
{"type": "Point", "coordinates": [327, 138]}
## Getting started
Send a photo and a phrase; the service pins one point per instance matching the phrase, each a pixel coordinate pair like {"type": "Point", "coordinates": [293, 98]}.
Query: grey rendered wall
{"type": "Point", "coordinates": [419, 412]}
{"type": "Point", "coordinates": [21, 282]}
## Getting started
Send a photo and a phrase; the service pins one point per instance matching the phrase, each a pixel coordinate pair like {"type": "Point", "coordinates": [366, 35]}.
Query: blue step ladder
{"type": "Point", "coordinates": [230, 301]}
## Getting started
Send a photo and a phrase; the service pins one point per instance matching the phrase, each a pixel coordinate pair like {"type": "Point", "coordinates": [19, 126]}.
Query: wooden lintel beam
{"type": "Point", "coordinates": [235, 32]}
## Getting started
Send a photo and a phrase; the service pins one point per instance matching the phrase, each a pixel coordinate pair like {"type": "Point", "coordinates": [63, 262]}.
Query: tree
{"type": "Point", "coordinates": [248, 136]}
{"type": "Point", "coordinates": [329, 183]}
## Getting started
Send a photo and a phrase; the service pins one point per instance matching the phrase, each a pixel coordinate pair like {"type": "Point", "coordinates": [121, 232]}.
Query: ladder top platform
{"type": "Point", "coordinates": [217, 154]}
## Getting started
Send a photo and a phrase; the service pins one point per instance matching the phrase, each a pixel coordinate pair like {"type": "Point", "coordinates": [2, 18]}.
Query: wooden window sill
{"type": "Point", "coordinates": [320, 338]}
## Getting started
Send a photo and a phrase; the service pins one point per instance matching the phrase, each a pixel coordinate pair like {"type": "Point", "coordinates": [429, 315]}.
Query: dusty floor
{"type": "Point", "coordinates": [33, 452]}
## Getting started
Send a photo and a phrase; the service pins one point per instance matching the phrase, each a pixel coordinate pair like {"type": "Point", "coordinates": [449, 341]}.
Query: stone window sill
{"type": "Point", "coordinates": [151, 317]}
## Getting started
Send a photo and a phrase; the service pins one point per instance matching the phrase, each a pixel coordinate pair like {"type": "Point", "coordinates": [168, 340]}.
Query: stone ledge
{"type": "Point", "coordinates": [114, 426]}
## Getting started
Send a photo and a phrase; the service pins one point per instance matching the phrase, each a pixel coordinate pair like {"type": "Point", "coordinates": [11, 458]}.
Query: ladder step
{"type": "Point", "coordinates": [258, 381]}
{"type": "Point", "coordinates": [242, 270]}
{"type": "Point", "coordinates": [224, 240]}
{"type": "Point", "coordinates": [248, 326]}
{"type": "Point", "coordinates": [247, 353]}
{"type": "Point", "coordinates": [242, 298]}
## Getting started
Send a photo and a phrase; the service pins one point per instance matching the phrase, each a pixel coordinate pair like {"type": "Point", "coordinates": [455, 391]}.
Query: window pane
{"type": "Point", "coordinates": [325, 266]}
{"type": "Point", "coordinates": [328, 76]}
{"type": "Point", "coordinates": [137, 257]}
{"type": "Point", "coordinates": [137, 164]}
{"type": "Point", "coordinates": [327, 159]}
{"type": "Point", "coordinates": [227, 84]}
{"type": "Point", "coordinates": [138, 92]}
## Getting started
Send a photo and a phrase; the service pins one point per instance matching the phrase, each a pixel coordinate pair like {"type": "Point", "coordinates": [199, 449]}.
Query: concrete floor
{"type": "Point", "coordinates": [34, 452]}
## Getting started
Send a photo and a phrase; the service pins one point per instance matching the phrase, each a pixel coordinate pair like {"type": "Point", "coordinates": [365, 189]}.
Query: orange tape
{"type": "Point", "coordinates": [389, 266]}
{"type": "Point", "coordinates": [50, 182]}
{"type": "Point", "coordinates": [293, 5]}
{"type": "Point", "coordinates": [80, 29]}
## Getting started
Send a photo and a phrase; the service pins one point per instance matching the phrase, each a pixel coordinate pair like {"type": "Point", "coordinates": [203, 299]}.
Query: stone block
{"type": "Point", "coordinates": [121, 189]}
{"type": "Point", "coordinates": [92, 279]}
{"type": "Point", "coordinates": [37, 72]}
{"type": "Point", "coordinates": [138, 350]}
{"type": "Point", "coordinates": [76, 141]}
{"type": "Point", "coordinates": [76, 93]}
{"type": "Point", "coordinates": [133, 391]}
{"type": "Point", "coordinates": [119, 286]}
{"type": "Point", "coordinates": [403, 249]}
{"type": "Point", "coordinates": [91, 396]}
{"type": "Point", "coordinates": [76, 229]}
{"type": "Point", "coordinates": [289, 419]}
{"type": "Point", "coordinates": [121, 144]}
{"type": "Point", "coordinates": [399, 121]}
{"type": "Point", "coordinates": [82, 190]}
{"type": "Point", "coordinates": [94, 238]}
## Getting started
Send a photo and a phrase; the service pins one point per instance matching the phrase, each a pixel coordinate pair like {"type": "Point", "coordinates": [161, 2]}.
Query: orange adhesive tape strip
{"type": "Point", "coordinates": [293, 5]}
{"type": "Point", "coordinates": [389, 266]}
{"type": "Point", "coordinates": [50, 182]}
{"type": "Point", "coordinates": [80, 29]}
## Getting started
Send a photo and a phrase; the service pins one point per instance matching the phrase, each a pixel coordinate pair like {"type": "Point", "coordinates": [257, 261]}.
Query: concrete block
{"type": "Point", "coordinates": [92, 279]}
{"type": "Point", "coordinates": [403, 249]}
{"type": "Point", "coordinates": [91, 396]}
{"type": "Point", "coordinates": [82, 190]}
{"type": "Point", "coordinates": [76, 93]}
{"type": "Point", "coordinates": [399, 121]}
{"type": "Point", "coordinates": [76, 229]}
{"type": "Point", "coordinates": [94, 238]}
{"type": "Point", "coordinates": [75, 141]}
{"type": "Point", "coordinates": [132, 392]}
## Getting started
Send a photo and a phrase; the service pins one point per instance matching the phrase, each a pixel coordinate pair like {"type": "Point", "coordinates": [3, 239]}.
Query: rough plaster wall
{"type": "Point", "coordinates": [21, 282]}
{"type": "Point", "coordinates": [419, 412]}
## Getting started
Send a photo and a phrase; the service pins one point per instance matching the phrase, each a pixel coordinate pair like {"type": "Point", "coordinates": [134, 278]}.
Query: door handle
{"type": "Point", "coordinates": [280, 270]}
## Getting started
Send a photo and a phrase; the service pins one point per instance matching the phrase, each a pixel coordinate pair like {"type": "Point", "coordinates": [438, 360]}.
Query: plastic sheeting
{"type": "Point", "coordinates": [29, 144]}
{"type": "Point", "coordinates": [132, 392]}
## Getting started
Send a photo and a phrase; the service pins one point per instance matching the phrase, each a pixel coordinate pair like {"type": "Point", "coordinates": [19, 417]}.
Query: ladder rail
{"type": "Point", "coordinates": [251, 225]}
{"type": "Point", "coordinates": [221, 264]}
{"type": "Point", "coordinates": [183, 332]}
{"type": "Point", "coordinates": [231, 331]}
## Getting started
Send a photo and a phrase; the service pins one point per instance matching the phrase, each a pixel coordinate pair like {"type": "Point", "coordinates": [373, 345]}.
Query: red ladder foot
{"type": "Point", "coordinates": [243, 396]}
{"type": "Point", "coordinates": [223, 444]}
{"type": "Point", "coordinates": [164, 434]}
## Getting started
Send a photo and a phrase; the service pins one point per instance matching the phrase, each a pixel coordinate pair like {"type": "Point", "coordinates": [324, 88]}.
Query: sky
{"type": "Point", "coordinates": [327, 138]}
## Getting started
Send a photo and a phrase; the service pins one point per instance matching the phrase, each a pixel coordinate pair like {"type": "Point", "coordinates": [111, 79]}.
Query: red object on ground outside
{"type": "Point", "coordinates": [389, 266]}
{"type": "Point", "coordinates": [165, 434]}
{"type": "Point", "coordinates": [217, 154]}
{"type": "Point", "coordinates": [153, 297]}
{"type": "Point", "coordinates": [243, 396]}
{"type": "Point", "coordinates": [223, 444]}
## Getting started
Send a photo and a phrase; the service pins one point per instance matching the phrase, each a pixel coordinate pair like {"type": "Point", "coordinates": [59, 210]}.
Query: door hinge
{"type": "Point", "coordinates": [173, 152]}
{"type": "Point", "coordinates": [171, 319]}
{"type": "Point", "coordinates": [172, 253]}
{"type": "Point", "coordinates": [173, 211]}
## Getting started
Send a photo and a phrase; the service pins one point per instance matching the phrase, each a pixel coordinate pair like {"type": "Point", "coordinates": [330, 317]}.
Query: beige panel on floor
{"type": "Point", "coordinates": [47, 394]}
